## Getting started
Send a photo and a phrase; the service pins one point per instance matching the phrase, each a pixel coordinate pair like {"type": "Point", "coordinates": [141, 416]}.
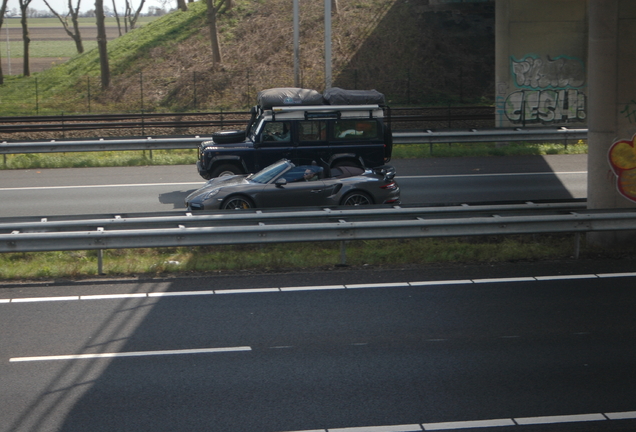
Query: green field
{"type": "Point", "coordinates": [54, 22]}
{"type": "Point", "coordinates": [48, 38]}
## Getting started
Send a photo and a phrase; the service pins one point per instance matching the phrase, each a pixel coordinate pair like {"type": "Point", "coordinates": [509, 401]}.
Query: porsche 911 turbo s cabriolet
{"type": "Point", "coordinates": [284, 184]}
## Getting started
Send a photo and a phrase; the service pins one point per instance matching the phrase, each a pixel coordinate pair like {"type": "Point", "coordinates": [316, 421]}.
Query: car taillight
{"type": "Point", "coordinates": [390, 186]}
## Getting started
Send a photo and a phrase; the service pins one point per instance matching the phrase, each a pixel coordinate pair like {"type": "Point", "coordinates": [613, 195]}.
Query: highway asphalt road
{"type": "Point", "coordinates": [47, 192]}
{"type": "Point", "coordinates": [524, 347]}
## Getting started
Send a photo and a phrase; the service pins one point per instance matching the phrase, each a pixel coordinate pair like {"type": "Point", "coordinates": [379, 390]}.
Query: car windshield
{"type": "Point", "coordinates": [271, 172]}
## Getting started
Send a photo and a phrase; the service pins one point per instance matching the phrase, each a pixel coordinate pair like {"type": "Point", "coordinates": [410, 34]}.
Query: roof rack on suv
{"type": "Point", "coordinates": [325, 111]}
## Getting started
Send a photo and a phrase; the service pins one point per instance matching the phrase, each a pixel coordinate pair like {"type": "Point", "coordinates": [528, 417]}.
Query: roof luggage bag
{"type": "Point", "coordinates": [286, 96]}
{"type": "Point", "coordinates": [338, 96]}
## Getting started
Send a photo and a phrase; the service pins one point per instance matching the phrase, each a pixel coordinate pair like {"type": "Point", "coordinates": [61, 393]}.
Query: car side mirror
{"type": "Point", "coordinates": [280, 182]}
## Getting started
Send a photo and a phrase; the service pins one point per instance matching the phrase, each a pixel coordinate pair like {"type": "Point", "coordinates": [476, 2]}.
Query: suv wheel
{"type": "Point", "coordinates": [225, 170]}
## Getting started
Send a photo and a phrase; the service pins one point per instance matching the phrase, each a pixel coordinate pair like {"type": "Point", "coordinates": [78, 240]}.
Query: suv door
{"type": "Point", "coordinates": [360, 137]}
{"type": "Point", "coordinates": [275, 143]}
{"type": "Point", "coordinates": [312, 143]}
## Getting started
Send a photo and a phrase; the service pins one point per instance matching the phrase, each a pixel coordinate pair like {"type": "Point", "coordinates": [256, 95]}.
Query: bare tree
{"type": "Point", "coordinates": [3, 10]}
{"type": "Point", "coordinates": [216, 7]}
{"type": "Point", "coordinates": [130, 17]}
{"type": "Point", "coordinates": [26, 40]}
{"type": "Point", "coordinates": [117, 18]}
{"type": "Point", "coordinates": [102, 43]}
{"type": "Point", "coordinates": [334, 7]}
{"type": "Point", "coordinates": [73, 12]}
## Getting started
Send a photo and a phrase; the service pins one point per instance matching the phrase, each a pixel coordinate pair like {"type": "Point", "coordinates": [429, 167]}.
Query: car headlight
{"type": "Point", "coordinates": [211, 194]}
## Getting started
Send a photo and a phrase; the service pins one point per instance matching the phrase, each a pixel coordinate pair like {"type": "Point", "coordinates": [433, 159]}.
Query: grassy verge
{"type": "Point", "coordinates": [187, 157]}
{"type": "Point", "coordinates": [286, 257]}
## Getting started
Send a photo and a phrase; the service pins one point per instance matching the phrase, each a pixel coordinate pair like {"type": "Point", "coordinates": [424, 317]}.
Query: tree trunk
{"type": "Point", "coordinates": [24, 6]}
{"type": "Point", "coordinates": [102, 43]}
{"type": "Point", "coordinates": [26, 70]}
{"type": "Point", "coordinates": [214, 37]}
{"type": "Point", "coordinates": [334, 7]}
{"type": "Point", "coordinates": [181, 4]}
{"type": "Point", "coordinates": [3, 10]}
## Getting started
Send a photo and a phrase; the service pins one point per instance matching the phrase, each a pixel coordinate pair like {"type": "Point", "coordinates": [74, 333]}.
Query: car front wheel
{"type": "Point", "coordinates": [357, 199]}
{"type": "Point", "coordinates": [237, 203]}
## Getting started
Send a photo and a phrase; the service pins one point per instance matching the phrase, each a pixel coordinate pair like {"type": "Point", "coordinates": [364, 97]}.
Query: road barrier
{"type": "Point", "coordinates": [285, 226]}
{"type": "Point", "coordinates": [563, 135]}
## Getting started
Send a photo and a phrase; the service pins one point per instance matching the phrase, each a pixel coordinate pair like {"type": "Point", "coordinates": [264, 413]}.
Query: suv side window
{"type": "Point", "coordinates": [355, 129]}
{"type": "Point", "coordinates": [276, 131]}
{"type": "Point", "coordinates": [312, 131]}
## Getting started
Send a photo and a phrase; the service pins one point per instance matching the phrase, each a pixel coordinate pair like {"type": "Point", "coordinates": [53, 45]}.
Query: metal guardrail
{"type": "Point", "coordinates": [191, 142]}
{"type": "Point", "coordinates": [254, 227]}
{"type": "Point", "coordinates": [496, 135]}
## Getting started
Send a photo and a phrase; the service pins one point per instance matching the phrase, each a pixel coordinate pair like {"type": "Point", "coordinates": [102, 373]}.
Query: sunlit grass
{"type": "Point", "coordinates": [409, 151]}
{"type": "Point", "coordinates": [100, 159]}
{"type": "Point", "coordinates": [286, 257]}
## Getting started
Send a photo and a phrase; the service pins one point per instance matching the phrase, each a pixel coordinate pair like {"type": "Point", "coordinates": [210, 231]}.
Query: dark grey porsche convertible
{"type": "Point", "coordinates": [284, 184]}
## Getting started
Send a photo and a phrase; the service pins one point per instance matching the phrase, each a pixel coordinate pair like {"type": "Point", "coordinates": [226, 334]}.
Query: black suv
{"type": "Point", "coordinates": [303, 126]}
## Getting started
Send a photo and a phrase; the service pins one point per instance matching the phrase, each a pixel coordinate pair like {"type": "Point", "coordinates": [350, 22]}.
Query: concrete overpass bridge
{"type": "Point", "coordinates": [572, 62]}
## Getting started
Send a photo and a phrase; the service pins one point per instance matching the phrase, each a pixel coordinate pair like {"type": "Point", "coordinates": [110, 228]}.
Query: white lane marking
{"type": "Point", "coordinates": [560, 277]}
{"type": "Point", "coordinates": [130, 354]}
{"type": "Point", "coordinates": [112, 296]}
{"type": "Point", "coordinates": [485, 423]}
{"type": "Point", "coordinates": [179, 293]}
{"type": "Point", "coordinates": [612, 275]}
{"type": "Point", "coordinates": [378, 285]}
{"type": "Point", "coordinates": [621, 415]}
{"type": "Point", "coordinates": [311, 288]}
{"type": "Point", "coordinates": [493, 174]}
{"type": "Point", "coordinates": [468, 424]}
{"type": "Point", "coordinates": [396, 428]}
{"type": "Point", "coordinates": [101, 186]}
{"type": "Point", "coordinates": [444, 282]}
{"type": "Point", "coordinates": [44, 299]}
{"type": "Point", "coordinates": [512, 279]}
{"type": "Point", "coordinates": [314, 288]}
{"type": "Point", "coordinates": [246, 291]}
{"type": "Point", "coordinates": [560, 419]}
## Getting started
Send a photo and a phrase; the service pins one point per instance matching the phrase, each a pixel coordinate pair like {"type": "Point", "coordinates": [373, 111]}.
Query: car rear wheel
{"type": "Point", "coordinates": [357, 199]}
{"type": "Point", "coordinates": [225, 170]}
{"type": "Point", "coordinates": [237, 203]}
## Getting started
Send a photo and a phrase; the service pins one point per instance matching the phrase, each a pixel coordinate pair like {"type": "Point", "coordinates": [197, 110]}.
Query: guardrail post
{"type": "Point", "coordinates": [100, 261]}
{"type": "Point", "coordinates": [577, 245]}
{"type": "Point", "coordinates": [343, 253]}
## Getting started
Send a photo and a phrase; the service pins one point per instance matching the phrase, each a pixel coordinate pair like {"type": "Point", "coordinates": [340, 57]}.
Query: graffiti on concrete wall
{"type": "Point", "coordinates": [622, 159]}
{"type": "Point", "coordinates": [560, 73]}
{"type": "Point", "coordinates": [630, 111]}
{"type": "Point", "coordinates": [549, 91]}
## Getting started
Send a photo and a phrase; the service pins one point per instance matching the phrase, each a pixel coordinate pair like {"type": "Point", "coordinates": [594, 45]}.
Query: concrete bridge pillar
{"type": "Point", "coordinates": [612, 111]}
